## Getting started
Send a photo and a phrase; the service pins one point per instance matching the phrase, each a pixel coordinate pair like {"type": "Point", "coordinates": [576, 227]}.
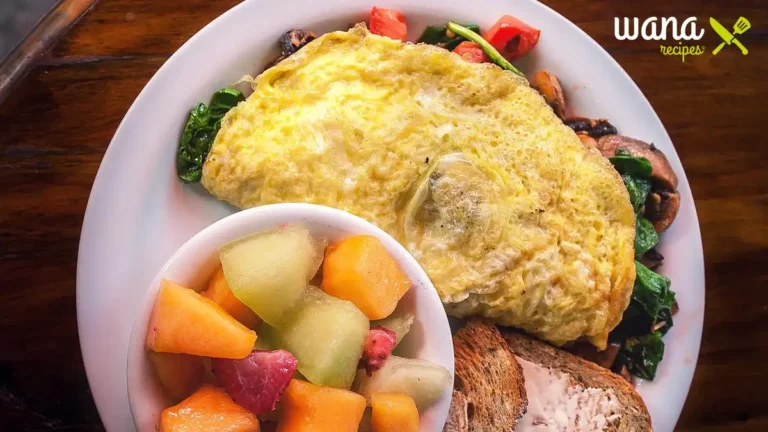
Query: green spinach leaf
{"type": "Point", "coordinates": [650, 290]}
{"type": "Point", "coordinates": [645, 236]}
{"type": "Point", "coordinates": [200, 131]}
{"type": "Point", "coordinates": [437, 35]}
{"type": "Point", "coordinates": [665, 313]}
{"type": "Point", "coordinates": [638, 190]}
{"type": "Point", "coordinates": [642, 355]}
{"type": "Point", "coordinates": [224, 100]}
{"type": "Point", "coordinates": [649, 296]}
{"type": "Point", "coordinates": [635, 322]}
{"type": "Point", "coordinates": [633, 166]}
{"type": "Point", "coordinates": [198, 119]}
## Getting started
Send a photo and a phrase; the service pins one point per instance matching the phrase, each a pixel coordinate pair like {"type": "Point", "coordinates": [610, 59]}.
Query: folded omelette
{"type": "Point", "coordinates": [509, 214]}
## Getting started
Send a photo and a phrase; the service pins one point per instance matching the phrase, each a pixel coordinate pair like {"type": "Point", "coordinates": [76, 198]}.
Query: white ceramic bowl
{"type": "Point", "coordinates": [194, 263]}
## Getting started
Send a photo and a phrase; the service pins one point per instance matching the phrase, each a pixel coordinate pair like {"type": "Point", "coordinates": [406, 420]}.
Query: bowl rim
{"type": "Point", "coordinates": [342, 221]}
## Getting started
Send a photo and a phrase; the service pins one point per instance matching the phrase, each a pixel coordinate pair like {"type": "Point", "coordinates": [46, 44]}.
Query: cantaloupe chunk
{"type": "Point", "coordinates": [361, 270]}
{"type": "Point", "coordinates": [310, 408]}
{"type": "Point", "coordinates": [208, 409]}
{"type": "Point", "coordinates": [185, 322]}
{"type": "Point", "coordinates": [179, 374]}
{"type": "Point", "coordinates": [218, 291]}
{"type": "Point", "coordinates": [394, 412]}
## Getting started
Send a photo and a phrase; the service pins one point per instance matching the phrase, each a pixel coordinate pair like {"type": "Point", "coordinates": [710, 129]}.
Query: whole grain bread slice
{"type": "Point", "coordinates": [489, 388]}
{"type": "Point", "coordinates": [633, 415]}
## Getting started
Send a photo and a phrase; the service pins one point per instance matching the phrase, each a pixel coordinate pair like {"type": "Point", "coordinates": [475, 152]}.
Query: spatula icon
{"type": "Point", "coordinates": [741, 26]}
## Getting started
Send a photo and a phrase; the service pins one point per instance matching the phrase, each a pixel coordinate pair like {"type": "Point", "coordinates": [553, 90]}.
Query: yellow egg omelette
{"type": "Point", "coordinates": [509, 214]}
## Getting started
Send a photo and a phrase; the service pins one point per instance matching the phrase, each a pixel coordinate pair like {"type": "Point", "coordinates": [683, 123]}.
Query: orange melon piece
{"type": "Point", "coordinates": [311, 408]}
{"type": "Point", "coordinates": [185, 322]}
{"type": "Point", "coordinates": [208, 409]}
{"type": "Point", "coordinates": [218, 291]}
{"type": "Point", "coordinates": [179, 374]}
{"type": "Point", "coordinates": [361, 270]}
{"type": "Point", "coordinates": [393, 412]}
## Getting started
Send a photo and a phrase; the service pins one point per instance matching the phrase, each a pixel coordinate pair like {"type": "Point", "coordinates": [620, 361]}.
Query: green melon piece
{"type": "Point", "coordinates": [326, 335]}
{"type": "Point", "coordinates": [269, 271]}
{"type": "Point", "coordinates": [422, 380]}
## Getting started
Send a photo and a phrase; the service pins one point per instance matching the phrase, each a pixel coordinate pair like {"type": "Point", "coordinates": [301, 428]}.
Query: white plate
{"type": "Point", "coordinates": [139, 213]}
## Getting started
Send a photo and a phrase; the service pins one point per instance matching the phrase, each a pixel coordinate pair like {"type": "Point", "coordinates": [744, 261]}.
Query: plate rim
{"type": "Point", "coordinates": [100, 187]}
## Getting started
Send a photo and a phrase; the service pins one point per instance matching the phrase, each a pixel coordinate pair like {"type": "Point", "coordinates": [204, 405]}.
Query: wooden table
{"type": "Point", "coordinates": [56, 125]}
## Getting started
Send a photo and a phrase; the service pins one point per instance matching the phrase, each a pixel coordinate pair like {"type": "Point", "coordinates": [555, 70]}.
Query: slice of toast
{"type": "Point", "coordinates": [489, 392]}
{"type": "Point", "coordinates": [625, 412]}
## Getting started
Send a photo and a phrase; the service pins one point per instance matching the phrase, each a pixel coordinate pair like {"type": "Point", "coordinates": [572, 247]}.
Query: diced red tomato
{"type": "Point", "coordinates": [388, 22]}
{"type": "Point", "coordinates": [471, 52]}
{"type": "Point", "coordinates": [512, 37]}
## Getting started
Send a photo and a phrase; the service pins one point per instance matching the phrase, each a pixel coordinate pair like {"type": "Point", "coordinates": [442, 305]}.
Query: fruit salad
{"type": "Point", "coordinates": [291, 334]}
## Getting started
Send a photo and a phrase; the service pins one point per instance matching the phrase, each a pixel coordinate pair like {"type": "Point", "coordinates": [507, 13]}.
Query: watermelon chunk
{"type": "Point", "coordinates": [257, 381]}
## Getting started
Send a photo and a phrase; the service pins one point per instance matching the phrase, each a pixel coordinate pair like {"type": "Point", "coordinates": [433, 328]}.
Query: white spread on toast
{"type": "Point", "coordinates": [558, 404]}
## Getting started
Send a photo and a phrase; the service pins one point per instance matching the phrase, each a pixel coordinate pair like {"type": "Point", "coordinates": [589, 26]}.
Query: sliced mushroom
{"type": "Point", "coordinates": [652, 259]}
{"type": "Point", "coordinates": [604, 358]}
{"type": "Point", "coordinates": [662, 170]}
{"type": "Point", "coordinates": [595, 128]}
{"type": "Point", "coordinates": [293, 40]}
{"type": "Point", "coordinates": [290, 42]}
{"type": "Point", "coordinates": [548, 85]}
{"type": "Point", "coordinates": [661, 208]}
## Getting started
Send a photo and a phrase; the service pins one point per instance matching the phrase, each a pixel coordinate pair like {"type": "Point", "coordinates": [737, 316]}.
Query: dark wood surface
{"type": "Point", "coordinates": [55, 127]}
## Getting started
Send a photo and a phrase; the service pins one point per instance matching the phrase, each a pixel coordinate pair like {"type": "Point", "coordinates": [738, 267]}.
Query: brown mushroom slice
{"type": "Point", "coordinates": [662, 170]}
{"type": "Point", "coordinates": [587, 351]}
{"type": "Point", "coordinates": [652, 259]}
{"type": "Point", "coordinates": [661, 208]}
{"type": "Point", "coordinates": [548, 85]}
{"type": "Point", "coordinates": [290, 42]}
{"type": "Point", "coordinates": [293, 40]}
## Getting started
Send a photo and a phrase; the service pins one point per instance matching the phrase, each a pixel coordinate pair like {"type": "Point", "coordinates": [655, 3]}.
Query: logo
{"type": "Point", "coordinates": [654, 28]}
{"type": "Point", "coordinates": [741, 26]}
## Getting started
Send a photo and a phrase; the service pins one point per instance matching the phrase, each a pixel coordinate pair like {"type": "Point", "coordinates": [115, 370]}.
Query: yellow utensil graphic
{"type": "Point", "coordinates": [741, 26]}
